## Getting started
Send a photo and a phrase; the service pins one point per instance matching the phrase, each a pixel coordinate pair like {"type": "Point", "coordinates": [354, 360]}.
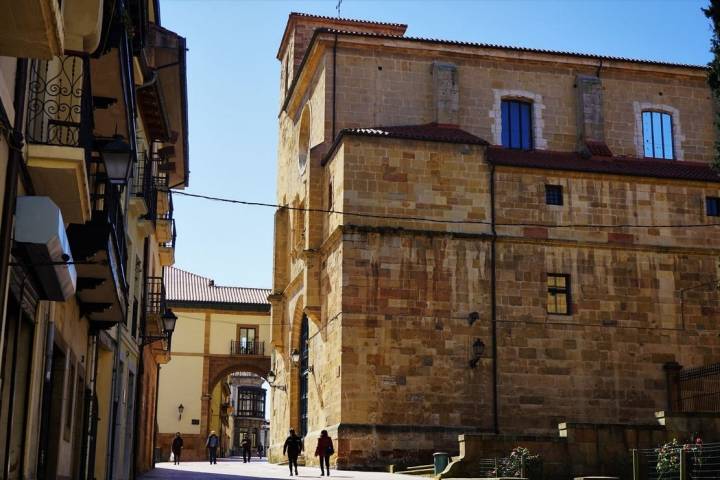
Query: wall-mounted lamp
{"type": "Point", "coordinates": [181, 409]}
{"type": "Point", "coordinates": [473, 317]}
{"type": "Point", "coordinates": [117, 156]}
{"type": "Point", "coordinates": [478, 348]}
{"type": "Point", "coordinates": [295, 357]}
{"type": "Point", "coordinates": [309, 370]}
{"type": "Point", "coordinates": [271, 381]}
{"type": "Point", "coordinates": [169, 319]}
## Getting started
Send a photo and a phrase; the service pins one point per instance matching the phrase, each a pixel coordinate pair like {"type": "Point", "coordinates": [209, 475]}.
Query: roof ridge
{"type": "Point", "coordinates": [346, 19]}
{"type": "Point", "coordinates": [511, 47]}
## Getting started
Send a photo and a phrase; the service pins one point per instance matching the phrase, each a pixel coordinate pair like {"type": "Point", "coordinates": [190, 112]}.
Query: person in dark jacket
{"type": "Point", "coordinates": [212, 444]}
{"type": "Point", "coordinates": [246, 445]}
{"type": "Point", "coordinates": [324, 450]}
{"type": "Point", "coordinates": [177, 445]}
{"type": "Point", "coordinates": [293, 447]}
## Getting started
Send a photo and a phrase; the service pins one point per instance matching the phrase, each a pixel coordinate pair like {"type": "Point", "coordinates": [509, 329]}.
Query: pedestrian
{"type": "Point", "coordinates": [177, 446]}
{"type": "Point", "coordinates": [260, 450]}
{"type": "Point", "coordinates": [246, 445]}
{"type": "Point", "coordinates": [324, 450]}
{"type": "Point", "coordinates": [293, 447]}
{"type": "Point", "coordinates": [211, 444]}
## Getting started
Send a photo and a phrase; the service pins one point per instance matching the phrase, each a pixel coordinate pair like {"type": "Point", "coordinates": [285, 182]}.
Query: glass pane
{"type": "Point", "coordinates": [505, 125]}
{"type": "Point", "coordinates": [560, 282]}
{"type": "Point", "coordinates": [551, 308]}
{"type": "Point", "coordinates": [515, 125]}
{"type": "Point", "coordinates": [561, 299]}
{"type": "Point", "coordinates": [551, 281]}
{"type": "Point", "coordinates": [647, 134]}
{"type": "Point", "coordinates": [667, 135]}
{"type": "Point", "coordinates": [657, 135]}
{"type": "Point", "coordinates": [526, 138]}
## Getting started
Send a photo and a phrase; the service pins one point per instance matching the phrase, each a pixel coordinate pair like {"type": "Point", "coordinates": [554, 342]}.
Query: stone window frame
{"type": "Point", "coordinates": [567, 291]}
{"type": "Point", "coordinates": [538, 124]}
{"type": "Point", "coordinates": [677, 138]}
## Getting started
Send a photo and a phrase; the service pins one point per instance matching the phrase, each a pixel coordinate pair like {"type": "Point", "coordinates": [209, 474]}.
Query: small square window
{"type": "Point", "coordinates": [554, 194]}
{"type": "Point", "coordinates": [712, 205]}
{"type": "Point", "coordinates": [558, 294]}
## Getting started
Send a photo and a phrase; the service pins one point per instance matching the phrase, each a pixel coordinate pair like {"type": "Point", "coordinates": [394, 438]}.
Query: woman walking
{"type": "Point", "coordinates": [293, 447]}
{"type": "Point", "coordinates": [324, 450]}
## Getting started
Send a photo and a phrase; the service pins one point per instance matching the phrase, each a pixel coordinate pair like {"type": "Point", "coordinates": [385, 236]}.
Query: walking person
{"type": "Point", "coordinates": [246, 445]}
{"type": "Point", "coordinates": [177, 446]}
{"type": "Point", "coordinates": [260, 450]}
{"type": "Point", "coordinates": [324, 450]}
{"type": "Point", "coordinates": [211, 444]}
{"type": "Point", "coordinates": [293, 447]}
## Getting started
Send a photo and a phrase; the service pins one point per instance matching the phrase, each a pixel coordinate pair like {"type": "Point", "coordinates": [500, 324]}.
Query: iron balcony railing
{"type": "Point", "coordinates": [244, 347]}
{"type": "Point", "coordinates": [142, 183]}
{"type": "Point", "coordinates": [173, 236]}
{"type": "Point", "coordinates": [59, 110]}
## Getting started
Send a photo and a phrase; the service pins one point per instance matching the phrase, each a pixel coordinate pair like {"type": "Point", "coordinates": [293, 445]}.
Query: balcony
{"type": "Point", "coordinates": [244, 347]}
{"type": "Point", "coordinates": [31, 28]}
{"type": "Point", "coordinates": [164, 225]}
{"type": "Point", "coordinates": [143, 197]}
{"type": "Point", "coordinates": [167, 249]}
{"type": "Point", "coordinates": [100, 249]}
{"type": "Point", "coordinates": [59, 132]}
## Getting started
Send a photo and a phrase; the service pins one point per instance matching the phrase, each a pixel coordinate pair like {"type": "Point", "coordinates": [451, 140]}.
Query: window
{"type": "Point", "coordinates": [250, 402]}
{"type": "Point", "coordinates": [304, 139]}
{"type": "Point", "coordinates": [554, 194]}
{"type": "Point", "coordinates": [330, 195]}
{"type": "Point", "coordinates": [247, 341]}
{"type": "Point", "coordinates": [558, 294]}
{"type": "Point", "coordinates": [517, 124]}
{"type": "Point", "coordinates": [712, 206]}
{"type": "Point", "coordinates": [657, 135]}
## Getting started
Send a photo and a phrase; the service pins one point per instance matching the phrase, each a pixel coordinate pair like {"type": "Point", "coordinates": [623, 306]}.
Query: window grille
{"type": "Point", "coordinates": [554, 194]}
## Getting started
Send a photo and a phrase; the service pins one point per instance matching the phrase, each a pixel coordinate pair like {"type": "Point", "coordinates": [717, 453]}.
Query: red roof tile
{"type": "Point", "coordinates": [182, 286]}
{"type": "Point", "coordinates": [572, 161]}
{"type": "Point", "coordinates": [346, 20]}
{"type": "Point", "coordinates": [429, 132]}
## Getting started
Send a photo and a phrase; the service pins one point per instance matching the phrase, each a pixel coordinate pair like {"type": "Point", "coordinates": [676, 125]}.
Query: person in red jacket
{"type": "Point", "coordinates": [324, 450]}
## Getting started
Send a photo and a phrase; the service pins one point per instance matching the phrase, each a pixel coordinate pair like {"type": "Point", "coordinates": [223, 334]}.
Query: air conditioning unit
{"type": "Point", "coordinates": [40, 233]}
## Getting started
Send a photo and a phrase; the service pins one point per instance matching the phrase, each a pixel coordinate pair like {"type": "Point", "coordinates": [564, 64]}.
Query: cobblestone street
{"type": "Point", "coordinates": [234, 468]}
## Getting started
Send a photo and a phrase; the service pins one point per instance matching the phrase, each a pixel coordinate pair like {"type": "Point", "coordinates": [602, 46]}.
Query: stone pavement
{"type": "Point", "coordinates": [234, 468]}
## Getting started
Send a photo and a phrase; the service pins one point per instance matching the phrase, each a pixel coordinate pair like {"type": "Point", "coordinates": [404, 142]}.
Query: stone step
{"type": "Point", "coordinates": [422, 470]}
{"type": "Point", "coordinates": [421, 467]}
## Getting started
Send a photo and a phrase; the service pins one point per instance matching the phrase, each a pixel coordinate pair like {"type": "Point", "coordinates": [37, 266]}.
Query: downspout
{"type": "Point", "coordinates": [115, 404]}
{"type": "Point", "coordinates": [493, 296]}
{"type": "Point", "coordinates": [154, 426]}
{"type": "Point", "coordinates": [136, 421]}
{"type": "Point", "coordinates": [94, 410]}
{"type": "Point", "coordinates": [46, 396]}
{"type": "Point", "coordinates": [334, 85]}
{"type": "Point", "coordinates": [15, 159]}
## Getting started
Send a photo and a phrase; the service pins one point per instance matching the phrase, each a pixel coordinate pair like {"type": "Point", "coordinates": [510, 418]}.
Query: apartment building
{"type": "Point", "coordinates": [94, 136]}
{"type": "Point", "coordinates": [487, 239]}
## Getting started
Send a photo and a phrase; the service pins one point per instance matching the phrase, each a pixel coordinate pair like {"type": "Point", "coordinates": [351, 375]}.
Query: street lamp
{"type": "Point", "coordinates": [271, 381]}
{"type": "Point", "coordinates": [181, 409]}
{"type": "Point", "coordinates": [478, 348]}
{"type": "Point", "coordinates": [169, 319]}
{"type": "Point", "coordinates": [117, 156]}
{"type": "Point", "coordinates": [295, 356]}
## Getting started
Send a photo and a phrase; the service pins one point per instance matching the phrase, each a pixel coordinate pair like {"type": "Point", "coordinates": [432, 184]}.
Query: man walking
{"type": "Point", "coordinates": [177, 445]}
{"type": "Point", "coordinates": [246, 446]}
{"type": "Point", "coordinates": [211, 444]}
{"type": "Point", "coordinates": [293, 447]}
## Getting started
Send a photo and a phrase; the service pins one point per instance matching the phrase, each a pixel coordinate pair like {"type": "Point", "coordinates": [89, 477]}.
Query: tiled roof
{"type": "Point", "coordinates": [639, 167]}
{"type": "Point", "coordinates": [346, 20]}
{"type": "Point", "coordinates": [510, 48]}
{"type": "Point", "coordinates": [429, 132]}
{"type": "Point", "coordinates": [182, 286]}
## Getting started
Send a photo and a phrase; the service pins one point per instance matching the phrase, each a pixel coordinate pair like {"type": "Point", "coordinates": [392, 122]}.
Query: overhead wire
{"type": "Point", "coordinates": [443, 221]}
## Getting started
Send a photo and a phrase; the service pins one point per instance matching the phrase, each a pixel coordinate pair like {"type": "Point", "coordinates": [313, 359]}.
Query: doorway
{"type": "Point", "coordinates": [303, 371]}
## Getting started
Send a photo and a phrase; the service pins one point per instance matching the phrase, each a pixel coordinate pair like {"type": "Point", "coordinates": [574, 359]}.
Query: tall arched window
{"type": "Point", "coordinates": [304, 139]}
{"type": "Point", "coordinates": [304, 355]}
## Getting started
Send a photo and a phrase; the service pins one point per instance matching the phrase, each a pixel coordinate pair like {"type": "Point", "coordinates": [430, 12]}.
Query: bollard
{"type": "Point", "coordinates": [636, 464]}
{"type": "Point", "coordinates": [684, 465]}
{"type": "Point", "coordinates": [440, 460]}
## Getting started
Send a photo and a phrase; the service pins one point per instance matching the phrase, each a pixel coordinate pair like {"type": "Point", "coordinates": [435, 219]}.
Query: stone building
{"type": "Point", "coordinates": [222, 334]}
{"type": "Point", "coordinates": [484, 239]}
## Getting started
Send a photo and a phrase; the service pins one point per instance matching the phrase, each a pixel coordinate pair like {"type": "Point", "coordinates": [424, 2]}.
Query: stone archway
{"type": "Point", "coordinates": [216, 368]}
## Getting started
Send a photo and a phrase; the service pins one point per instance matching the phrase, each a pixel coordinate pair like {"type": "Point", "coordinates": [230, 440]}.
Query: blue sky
{"type": "Point", "coordinates": [233, 80]}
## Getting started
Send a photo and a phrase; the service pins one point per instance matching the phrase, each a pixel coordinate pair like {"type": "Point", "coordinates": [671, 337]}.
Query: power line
{"type": "Point", "coordinates": [443, 221]}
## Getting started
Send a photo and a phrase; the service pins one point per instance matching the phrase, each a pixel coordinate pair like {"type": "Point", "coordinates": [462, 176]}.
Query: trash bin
{"type": "Point", "coordinates": [441, 460]}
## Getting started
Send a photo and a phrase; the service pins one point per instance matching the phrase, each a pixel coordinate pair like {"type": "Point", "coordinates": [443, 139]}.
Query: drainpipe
{"type": "Point", "coordinates": [154, 426]}
{"type": "Point", "coordinates": [46, 396]}
{"type": "Point", "coordinates": [334, 85]}
{"type": "Point", "coordinates": [493, 296]}
{"type": "Point", "coordinates": [15, 159]}
{"type": "Point", "coordinates": [94, 409]}
{"type": "Point", "coordinates": [136, 421]}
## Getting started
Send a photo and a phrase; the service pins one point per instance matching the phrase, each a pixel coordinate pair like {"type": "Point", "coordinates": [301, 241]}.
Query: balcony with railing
{"type": "Point", "coordinates": [143, 196]}
{"type": "Point", "coordinates": [167, 249]}
{"type": "Point", "coordinates": [59, 132]}
{"type": "Point", "coordinates": [247, 347]}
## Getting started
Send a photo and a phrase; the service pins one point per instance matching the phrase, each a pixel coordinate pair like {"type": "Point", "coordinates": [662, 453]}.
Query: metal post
{"type": "Point", "coordinates": [683, 465]}
{"type": "Point", "coordinates": [522, 467]}
{"type": "Point", "coordinates": [636, 464]}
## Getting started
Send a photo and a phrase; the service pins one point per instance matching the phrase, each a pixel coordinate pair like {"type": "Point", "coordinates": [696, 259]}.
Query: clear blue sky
{"type": "Point", "coordinates": [233, 79]}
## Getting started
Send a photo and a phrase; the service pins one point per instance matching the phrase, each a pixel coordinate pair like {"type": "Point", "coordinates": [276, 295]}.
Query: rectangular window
{"type": "Point", "coordinates": [516, 124]}
{"type": "Point", "coordinates": [558, 294]}
{"type": "Point", "coordinates": [554, 194]}
{"type": "Point", "coordinates": [657, 135]}
{"type": "Point", "coordinates": [712, 205]}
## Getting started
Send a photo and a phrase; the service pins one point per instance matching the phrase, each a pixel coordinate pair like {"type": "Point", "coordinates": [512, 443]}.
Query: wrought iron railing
{"type": "Point", "coordinates": [59, 110]}
{"type": "Point", "coordinates": [245, 347]}
{"type": "Point", "coordinates": [173, 236]}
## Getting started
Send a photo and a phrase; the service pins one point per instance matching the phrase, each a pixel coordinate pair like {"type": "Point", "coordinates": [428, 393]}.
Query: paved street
{"type": "Point", "coordinates": [235, 468]}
